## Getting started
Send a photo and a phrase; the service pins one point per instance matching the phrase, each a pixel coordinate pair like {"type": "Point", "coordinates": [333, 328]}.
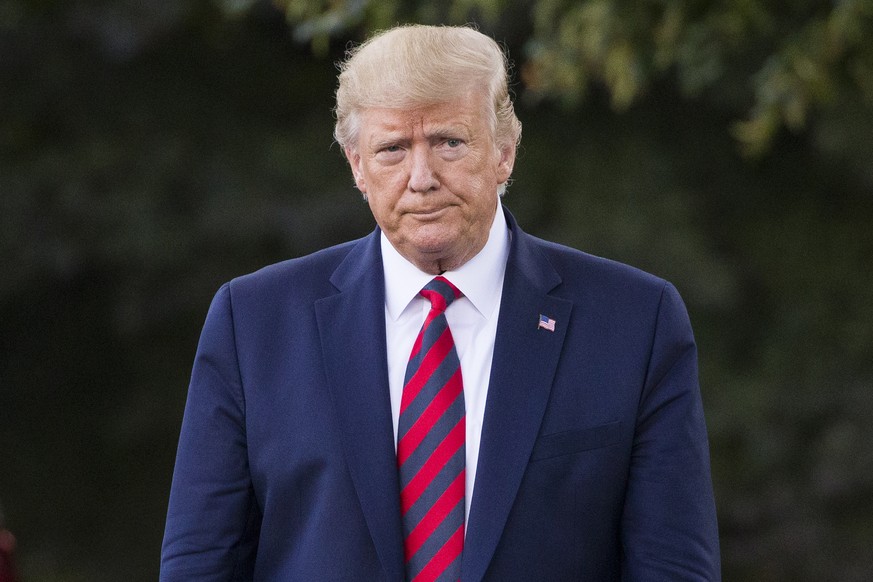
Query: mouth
{"type": "Point", "coordinates": [427, 214]}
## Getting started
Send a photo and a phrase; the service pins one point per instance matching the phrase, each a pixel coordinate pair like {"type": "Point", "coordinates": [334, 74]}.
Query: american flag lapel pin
{"type": "Point", "coordinates": [546, 323]}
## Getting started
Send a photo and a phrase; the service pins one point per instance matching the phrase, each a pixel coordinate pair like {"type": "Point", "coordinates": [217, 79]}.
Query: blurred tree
{"type": "Point", "coordinates": [776, 63]}
{"type": "Point", "coordinates": [148, 152]}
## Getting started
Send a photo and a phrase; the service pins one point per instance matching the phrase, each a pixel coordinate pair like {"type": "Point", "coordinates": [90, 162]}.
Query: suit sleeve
{"type": "Point", "coordinates": [212, 520]}
{"type": "Point", "coordinates": [669, 529]}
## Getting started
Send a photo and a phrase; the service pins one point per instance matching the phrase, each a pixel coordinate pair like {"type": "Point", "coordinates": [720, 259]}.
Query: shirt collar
{"type": "Point", "coordinates": [480, 279]}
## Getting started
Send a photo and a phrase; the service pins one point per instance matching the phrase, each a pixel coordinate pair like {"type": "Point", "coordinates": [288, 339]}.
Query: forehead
{"type": "Point", "coordinates": [465, 113]}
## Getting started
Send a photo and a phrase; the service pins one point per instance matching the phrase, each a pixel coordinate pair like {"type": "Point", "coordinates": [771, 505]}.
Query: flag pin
{"type": "Point", "coordinates": [546, 323]}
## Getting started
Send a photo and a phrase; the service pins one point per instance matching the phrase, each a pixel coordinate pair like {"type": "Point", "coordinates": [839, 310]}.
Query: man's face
{"type": "Point", "coordinates": [430, 175]}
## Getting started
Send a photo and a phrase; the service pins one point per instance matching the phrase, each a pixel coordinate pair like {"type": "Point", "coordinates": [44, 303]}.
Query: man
{"type": "Point", "coordinates": [448, 397]}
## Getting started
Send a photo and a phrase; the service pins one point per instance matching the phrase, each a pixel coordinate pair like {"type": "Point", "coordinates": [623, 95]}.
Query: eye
{"type": "Point", "coordinates": [453, 143]}
{"type": "Point", "coordinates": [389, 154]}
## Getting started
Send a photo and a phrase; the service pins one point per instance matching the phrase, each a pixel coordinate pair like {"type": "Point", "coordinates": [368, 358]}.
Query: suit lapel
{"type": "Point", "coordinates": [351, 325]}
{"type": "Point", "coordinates": [525, 358]}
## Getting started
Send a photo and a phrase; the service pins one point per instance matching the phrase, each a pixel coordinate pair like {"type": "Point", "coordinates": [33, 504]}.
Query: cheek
{"type": "Point", "coordinates": [383, 179]}
{"type": "Point", "coordinates": [480, 188]}
{"type": "Point", "coordinates": [382, 206]}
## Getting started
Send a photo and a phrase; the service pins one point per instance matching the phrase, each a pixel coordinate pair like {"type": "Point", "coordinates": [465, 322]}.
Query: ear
{"type": "Point", "coordinates": [354, 159]}
{"type": "Point", "coordinates": [505, 163]}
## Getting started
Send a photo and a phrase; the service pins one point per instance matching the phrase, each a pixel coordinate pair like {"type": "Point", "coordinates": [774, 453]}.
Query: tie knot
{"type": "Point", "coordinates": [441, 293]}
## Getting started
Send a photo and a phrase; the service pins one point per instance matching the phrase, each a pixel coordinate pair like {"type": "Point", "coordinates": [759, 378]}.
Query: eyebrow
{"type": "Point", "coordinates": [446, 131]}
{"type": "Point", "coordinates": [380, 143]}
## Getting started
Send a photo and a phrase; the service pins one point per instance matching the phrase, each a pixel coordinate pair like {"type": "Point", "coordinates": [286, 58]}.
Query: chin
{"type": "Point", "coordinates": [433, 239]}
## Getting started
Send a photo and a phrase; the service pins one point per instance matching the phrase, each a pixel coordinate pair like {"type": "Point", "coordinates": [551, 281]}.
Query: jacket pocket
{"type": "Point", "coordinates": [576, 441]}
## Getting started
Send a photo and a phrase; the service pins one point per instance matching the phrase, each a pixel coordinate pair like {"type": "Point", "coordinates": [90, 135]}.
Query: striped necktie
{"type": "Point", "coordinates": [430, 446]}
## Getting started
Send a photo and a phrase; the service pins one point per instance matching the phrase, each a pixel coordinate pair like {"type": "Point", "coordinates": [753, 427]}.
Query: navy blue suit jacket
{"type": "Point", "coordinates": [593, 463]}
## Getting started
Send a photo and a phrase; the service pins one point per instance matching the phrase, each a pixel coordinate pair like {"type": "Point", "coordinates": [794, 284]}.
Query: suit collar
{"type": "Point", "coordinates": [525, 359]}
{"type": "Point", "coordinates": [351, 325]}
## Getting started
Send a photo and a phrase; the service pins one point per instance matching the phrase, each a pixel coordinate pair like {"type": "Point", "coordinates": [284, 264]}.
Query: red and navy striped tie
{"type": "Point", "coordinates": [430, 446]}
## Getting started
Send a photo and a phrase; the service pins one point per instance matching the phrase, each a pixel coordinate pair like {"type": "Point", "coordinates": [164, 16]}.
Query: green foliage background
{"type": "Point", "coordinates": [151, 151]}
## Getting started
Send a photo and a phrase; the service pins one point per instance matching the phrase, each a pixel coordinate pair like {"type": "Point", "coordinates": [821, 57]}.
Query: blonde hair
{"type": "Point", "coordinates": [416, 65]}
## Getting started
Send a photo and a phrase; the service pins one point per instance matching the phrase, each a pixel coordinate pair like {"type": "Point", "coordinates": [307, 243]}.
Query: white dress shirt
{"type": "Point", "coordinates": [472, 319]}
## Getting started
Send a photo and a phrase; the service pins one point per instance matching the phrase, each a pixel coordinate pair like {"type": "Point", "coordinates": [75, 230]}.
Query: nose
{"type": "Point", "coordinates": [421, 172]}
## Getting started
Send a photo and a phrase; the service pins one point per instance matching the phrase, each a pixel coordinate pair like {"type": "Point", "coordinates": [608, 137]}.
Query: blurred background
{"type": "Point", "coordinates": [150, 151]}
